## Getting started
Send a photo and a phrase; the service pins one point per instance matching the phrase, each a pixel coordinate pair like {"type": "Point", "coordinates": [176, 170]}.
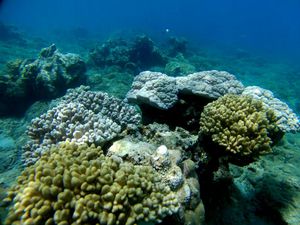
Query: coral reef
{"type": "Point", "coordinates": [134, 55]}
{"type": "Point", "coordinates": [158, 167]}
{"type": "Point", "coordinates": [240, 125]}
{"type": "Point", "coordinates": [81, 116]}
{"type": "Point", "coordinates": [50, 74]}
{"type": "Point", "coordinates": [159, 90]}
{"type": "Point", "coordinates": [179, 66]}
{"type": "Point", "coordinates": [209, 84]}
{"type": "Point", "coordinates": [139, 146]}
{"type": "Point", "coordinates": [160, 158]}
{"type": "Point", "coordinates": [179, 101]}
{"type": "Point", "coordinates": [171, 161]}
{"type": "Point", "coordinates": [286, 119]}
{"type": "Point", "coordinates": [155, 89]}
{"type": "Point", "coordinates": [112, 52]}
{"type": "Point", "coordinates": [78, 184]}
{"type": "Point", "coordinates": [136, 152]}
{"type": "Point", "coordinates": [235, 129]}
{"type": "Point", "coordinates": [184, 97]}
{"type": "Point", "coordinates": [177, 45]}
{"type": "Point", "coordinates": [44, 78]}
{"type": "Point", "coordinates": [161, 134]}
{"type": "Point", "coordinates": [145, 54]}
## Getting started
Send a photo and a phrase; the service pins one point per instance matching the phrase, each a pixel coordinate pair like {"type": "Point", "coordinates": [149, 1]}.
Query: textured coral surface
{"type": "Point", "coordinates": [161, 91]}
{"type": "Point", "coordinates": [240, 124]}
{"type": "Point", "coordinates": [77, 184]}
{"type": "Point", "coordinates": [286, 119]}
{"type": "Point", "coordinates": [81, 116]}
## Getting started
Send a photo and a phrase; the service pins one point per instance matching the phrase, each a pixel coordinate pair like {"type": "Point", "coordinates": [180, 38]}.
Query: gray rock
{"type": "Point", "coordinates": [54, 69]}
{"type": "Point", "coordinates": [209, 84]}
{"type": "Point", "coordinates": [52, 72]}
{"type": "Point", "coordinates": [273, 184]}
{"type": "Point", "coordinates": [155, 89]}
{"type": "Point", "coordinates": [161, 91]}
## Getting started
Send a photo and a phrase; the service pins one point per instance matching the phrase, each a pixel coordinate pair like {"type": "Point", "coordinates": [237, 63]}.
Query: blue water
{"type": "Point", "coordinates": [265, 26]}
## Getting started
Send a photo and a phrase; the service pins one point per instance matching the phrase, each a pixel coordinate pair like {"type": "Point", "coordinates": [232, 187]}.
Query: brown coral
{"type": "Point", "coordinates": [240, 124]}
{"type": "Point", "coordinates": [77, 184]}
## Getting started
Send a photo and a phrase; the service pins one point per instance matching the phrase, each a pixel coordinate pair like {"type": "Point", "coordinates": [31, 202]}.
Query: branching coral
{"type": "Point", "coordinates": [77, 184]}
{"type": "Point", "coordinates": [240, 124]}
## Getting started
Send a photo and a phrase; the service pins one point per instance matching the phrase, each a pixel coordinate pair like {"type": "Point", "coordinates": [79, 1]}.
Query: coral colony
{"type": "Point", "coordinates": [93, 158]}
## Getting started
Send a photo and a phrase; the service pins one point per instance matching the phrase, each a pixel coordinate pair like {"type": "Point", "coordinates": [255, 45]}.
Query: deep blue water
{"type": "Point", "coordinates": [264, 26]}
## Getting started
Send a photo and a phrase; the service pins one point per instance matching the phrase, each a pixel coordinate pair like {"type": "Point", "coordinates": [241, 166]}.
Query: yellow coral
{"type": "Point", "coordinates": [240, 124]}
{"type": "Point", "coordinates": [74, 184]}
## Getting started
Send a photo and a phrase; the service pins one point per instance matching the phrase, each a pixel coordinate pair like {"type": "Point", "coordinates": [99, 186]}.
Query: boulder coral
{"type": "Point", "coordinates": [77, 184]}
{"type": "Point", "coordinates": [162, 91]}
{"type": "Point", "coordinates": [82, 116]}
{"type": "Point", "coordinates": [240, 125]}
{"type": "Point", "coordinates": [179, 101]}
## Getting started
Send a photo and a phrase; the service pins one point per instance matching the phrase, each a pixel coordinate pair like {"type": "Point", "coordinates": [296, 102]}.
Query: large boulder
{"type": "Point", "coordinates": [46, 77]}
{"type": "Point", "coordinates": [178, 101]}
{"type": "Point", "coordinates": [161, 91]}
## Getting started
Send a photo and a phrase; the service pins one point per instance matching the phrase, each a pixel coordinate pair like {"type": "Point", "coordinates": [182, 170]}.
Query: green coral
{"type": "Point", "coordinates": [74, 184]}
{"type": "Point", "coordinates": [240, 124]}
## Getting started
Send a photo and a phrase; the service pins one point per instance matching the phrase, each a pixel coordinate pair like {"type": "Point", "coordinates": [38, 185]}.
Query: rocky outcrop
{"type": "Point", "coordinates": [46, 77]}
